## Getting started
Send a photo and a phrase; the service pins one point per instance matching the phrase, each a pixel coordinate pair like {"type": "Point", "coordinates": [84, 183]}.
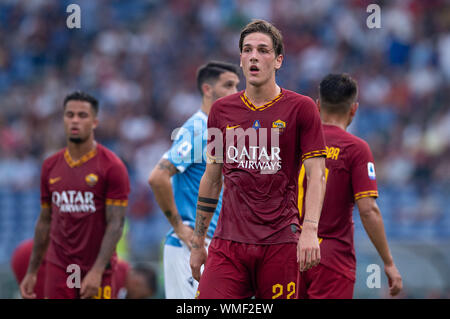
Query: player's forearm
{"type": "Point", "coordinates": [113, 232]}
{"type": "Point", "coordinates": [314, 197]}
{"type": "Point", "coordinates": [162, 189]}
{"type": "Point", "coordinates": [40, 243]}
{"type": "Point", "coordinates": [208, 197]}
{"type": "Point", "coordinates": [202, 221]}
{"type": "Point", "coordinates": [373, 224]}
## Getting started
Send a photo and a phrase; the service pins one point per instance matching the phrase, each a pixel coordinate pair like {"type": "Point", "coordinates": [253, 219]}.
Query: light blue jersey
{"type": "Point", "coordinates": [188, 155]}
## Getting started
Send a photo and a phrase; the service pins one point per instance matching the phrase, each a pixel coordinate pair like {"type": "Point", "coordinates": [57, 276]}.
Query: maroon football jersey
{"type": "Point", "coordinates": [262, 150]}
{"type": "Point", "coordinates": [78, 192]}
{"type": "Point", "coordinates": [350, 176]}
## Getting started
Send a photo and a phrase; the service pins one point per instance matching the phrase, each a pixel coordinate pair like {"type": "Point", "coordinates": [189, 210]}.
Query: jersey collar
{"type": "Point", "coordinates": [86, 157]}
{"type": "Point", "coordinates": [253, 107]}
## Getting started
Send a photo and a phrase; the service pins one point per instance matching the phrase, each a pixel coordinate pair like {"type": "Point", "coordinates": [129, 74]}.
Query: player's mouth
{"type": "Point", "coordinates": [254, 70]}
{"type": "Point", "coordinates": [74, 130]}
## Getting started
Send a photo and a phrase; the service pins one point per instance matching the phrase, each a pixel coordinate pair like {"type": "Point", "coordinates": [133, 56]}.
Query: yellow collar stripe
{"type": "Point", "coordinates": [86, 157]}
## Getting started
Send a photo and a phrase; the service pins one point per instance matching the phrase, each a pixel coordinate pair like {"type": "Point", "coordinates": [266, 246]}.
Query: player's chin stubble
{"type": "Point", "coordinates": [76, 140]}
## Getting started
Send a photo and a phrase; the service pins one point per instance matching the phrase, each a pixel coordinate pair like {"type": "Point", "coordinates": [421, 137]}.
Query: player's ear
{"type": "Point", "coordinates": [318, 104]}
{"type": "Point", "coordinates": [278, 62]}
{"type": "Point", "coordinates": [352, 112]}
{"type": "Point", "coordinates": [207, 90]}
{"type": "Point", "coordinates": [95, 122]}
{"type": "Point", "coordinates": [353, 108]}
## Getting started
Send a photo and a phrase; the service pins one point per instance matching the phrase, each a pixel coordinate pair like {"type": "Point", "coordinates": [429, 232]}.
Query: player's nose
{"type": "Point", "coordinates": [75, 119]}
{"type": "Point", "coordinates": [253, 55]}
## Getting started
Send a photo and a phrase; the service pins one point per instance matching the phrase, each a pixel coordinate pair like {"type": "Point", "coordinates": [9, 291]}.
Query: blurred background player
{"type": "Point", "coordinates": [350, 178]}
{"type": "Point", "coordinates": [185, 164]}
{"type": "Point", "coordinates": [19, 264]}
{"type": "Point", "coordinates": [256, 249]}
{"type": "Point", "coordinates": [138, 282]}
{"type": "Point", "coordinates": [84, 196]}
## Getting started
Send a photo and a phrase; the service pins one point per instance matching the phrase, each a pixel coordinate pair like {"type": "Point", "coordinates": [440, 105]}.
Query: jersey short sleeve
{"type": "Point", "coordinates": [363, 172]}
{"type": "Point", "coordinates": [214, 150]}
{"type": "Point", "coordinates": [312, 141]}
{"type": "Point", "coordinates": [118, 185]}
{"type": "Point", "coordinates": [187, 147]}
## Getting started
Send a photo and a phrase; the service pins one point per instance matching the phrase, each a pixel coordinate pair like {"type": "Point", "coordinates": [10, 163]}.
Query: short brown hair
{"type": "Point", "coordinates": [337, 92]}
{"type": "Point", "coordinates": [212, 70]}
{"type": "Point", "coordinates": [263, 26]}
{"type": "Point", "coordinates": [82, 96]}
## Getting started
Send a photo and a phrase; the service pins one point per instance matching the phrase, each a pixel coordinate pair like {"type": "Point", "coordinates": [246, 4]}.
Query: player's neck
{"type": "Point", "coordinates": [336, 121]}
{"type": "Point", "coordinates": [260, 95]}
{"type": "Point", "coordinates": [206, 106]}
{"type": "Point", "coordinates": [77, 150]}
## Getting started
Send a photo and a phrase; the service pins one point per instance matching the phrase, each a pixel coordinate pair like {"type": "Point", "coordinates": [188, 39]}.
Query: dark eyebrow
{"type": "Point", "coordinates": [259, 45]}
{"type": "Point", "coordinates": [78, 112]}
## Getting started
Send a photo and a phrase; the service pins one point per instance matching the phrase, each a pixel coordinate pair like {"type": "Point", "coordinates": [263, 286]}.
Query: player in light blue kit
{"type": "Point", "coordinates": [185, 163]}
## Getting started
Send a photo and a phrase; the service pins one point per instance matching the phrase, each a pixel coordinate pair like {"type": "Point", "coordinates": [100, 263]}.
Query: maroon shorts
{"type": "Point", "coordinates": [236, 270]}
{"type": "Point", "coordinates": [321, 282]}
{"type": "Point", "coordinates": [56, 284]}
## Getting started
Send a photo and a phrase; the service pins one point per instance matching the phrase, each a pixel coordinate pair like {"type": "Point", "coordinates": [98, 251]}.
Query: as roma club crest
{"type": "Point", "coordinates": [91, 179]}
{"type": "Point", "coordinates": [279, 125]}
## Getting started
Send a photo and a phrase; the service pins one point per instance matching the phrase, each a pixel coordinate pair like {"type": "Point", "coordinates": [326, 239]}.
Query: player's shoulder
{"type": "Point", "coordinates": [196, 117]}
{"type": "Point", "coordinates": [357, 145]}
{"type": "Point", "coordinates": [297, 99]}
{"type": "Point", "coordinates": [199, 115]}
{"type": "Point", "coordinates": [337, 136]}
{"type": "Point", "coordinates": [225, 101]}
{"type": "Point", "coordinates": [359, 150]}
{"type": "Point", "coordinates": [194, 125]}
{"type": "Point", "coordinates": [108, 157]}
{"type": "Point", "coordinates": [358, 141]}
{"type": "Point", "coordinates": [235, 97]}
{"type": "Point", "coordinates": [52, 159]}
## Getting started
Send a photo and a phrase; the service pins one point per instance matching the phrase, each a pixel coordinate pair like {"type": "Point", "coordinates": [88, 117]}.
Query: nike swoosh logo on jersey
{"type": "Point", "coordinates": [231, 127]}
{"type": "Point", "coordinates": [54, 180]}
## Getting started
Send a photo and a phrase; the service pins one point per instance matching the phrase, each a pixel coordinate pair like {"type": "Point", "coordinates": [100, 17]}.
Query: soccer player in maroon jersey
{"type": "Point", "coordinates": [266, 133]}
{"type": "Point", "coordinates": [84, 195]}
{"type": "Point", "coordinates": [351, 178]}
{"type": "Point", "coordinates": [137, 282]}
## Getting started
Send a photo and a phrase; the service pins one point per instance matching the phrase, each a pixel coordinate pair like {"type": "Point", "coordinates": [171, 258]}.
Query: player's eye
{"type": "Point", "coordinates": [263, 50]}
{"type": "Point", "coordinates": [69, 114]}
{"type": "Point", "coordinates": [247, 50]}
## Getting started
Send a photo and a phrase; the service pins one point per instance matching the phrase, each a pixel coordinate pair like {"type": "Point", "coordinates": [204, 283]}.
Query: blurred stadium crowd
{"type": "Point", "coordinates": [139, 59]}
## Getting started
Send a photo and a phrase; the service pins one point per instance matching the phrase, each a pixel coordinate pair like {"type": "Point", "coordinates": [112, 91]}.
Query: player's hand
{"type": "Point", "coordinates": [90, 284]}
{"type": "Point", "coordinates": [27, 286]}
{"type": "Point", "coordinates": [198, 258]}
{"type": "Point", "coordinates": [394, 279]}
{"type": "Point", "coordinates": [308, 249]}
{"type": "Point", "coordinates": [184, 232]}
